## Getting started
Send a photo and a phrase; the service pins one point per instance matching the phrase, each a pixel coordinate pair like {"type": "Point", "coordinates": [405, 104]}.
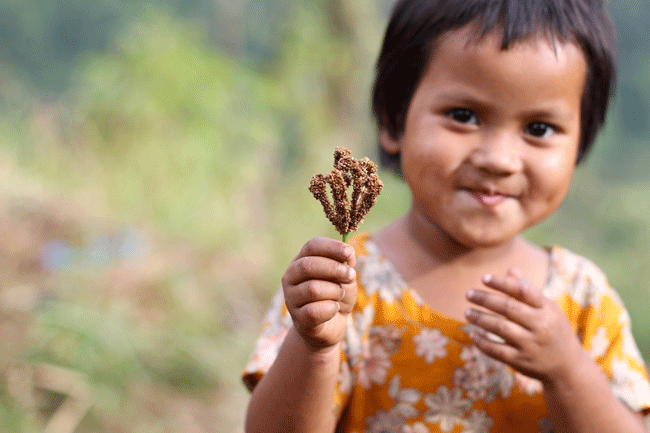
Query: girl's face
{"type": "Point", "coordinates": [491, 136]}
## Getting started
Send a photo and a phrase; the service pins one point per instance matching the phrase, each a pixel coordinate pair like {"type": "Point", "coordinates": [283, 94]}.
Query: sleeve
{"type": "Point", "coordinates": [607, 336]}
{"type": "Point", "coordinates": [629, 375]}
{"type": "Point", "coordinates": [275, 326]}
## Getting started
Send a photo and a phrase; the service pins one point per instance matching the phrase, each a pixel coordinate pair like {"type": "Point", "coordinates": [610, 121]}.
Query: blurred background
{"type": "Point", "coordinates": [154, 163]}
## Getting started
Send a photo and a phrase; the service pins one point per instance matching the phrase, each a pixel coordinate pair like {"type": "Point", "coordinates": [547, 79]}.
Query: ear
{"type": "Point", "coordinates": [388, 143]}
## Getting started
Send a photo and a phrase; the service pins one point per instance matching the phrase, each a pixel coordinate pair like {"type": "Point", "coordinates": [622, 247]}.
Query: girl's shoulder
{"type": "Point", "coordinates": [573, 275]}
{"type": "Point", "coordinates": [359, 242]}
{"type": "Point", "coordinates": [567, 261]}
{"type": "Point", "coordinates": [375, 273]}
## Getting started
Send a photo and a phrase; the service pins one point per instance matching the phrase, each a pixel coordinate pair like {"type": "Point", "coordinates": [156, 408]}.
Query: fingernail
{"type": "Point", "coordinates": [470, 294]}
{"type": "Point", "coordinates": [342, 294]}
{"type": "Point", "coordinates": [486, 278]}
{"type": "Point", "coordinates": [352, 274]}
{"type": "Point", "coordinates": [470, 313]}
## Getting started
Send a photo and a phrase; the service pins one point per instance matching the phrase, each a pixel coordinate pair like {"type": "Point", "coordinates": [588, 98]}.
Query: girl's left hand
{"type": "Point", "coordinates": [538, 339]}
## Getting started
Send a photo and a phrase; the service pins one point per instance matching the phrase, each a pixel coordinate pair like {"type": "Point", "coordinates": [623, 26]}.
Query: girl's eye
{"type": "Point", "coordinates": [540, 129]}
{"type": "Point", "coordinates": [463, 115]}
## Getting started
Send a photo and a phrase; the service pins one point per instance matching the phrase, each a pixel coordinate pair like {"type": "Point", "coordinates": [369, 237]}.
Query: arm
{"type": "Point", "coordinates": [584, 402]}
{"type": "Point", "coordinates": [540, 343]}
{"type": "Point", "coordinates": [297, 393]}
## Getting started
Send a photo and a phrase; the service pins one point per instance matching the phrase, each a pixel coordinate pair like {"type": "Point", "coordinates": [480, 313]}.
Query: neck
{"type": "Point", "coordinates": [442, 249]}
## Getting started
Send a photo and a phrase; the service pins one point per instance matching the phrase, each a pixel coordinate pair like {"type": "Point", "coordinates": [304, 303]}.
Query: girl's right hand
{"type": "Point", "coordinates": [320, 290]}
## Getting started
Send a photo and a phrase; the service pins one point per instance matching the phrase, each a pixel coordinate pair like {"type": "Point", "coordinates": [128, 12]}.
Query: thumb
{"type": "Point", "coordinates": [349, 297]}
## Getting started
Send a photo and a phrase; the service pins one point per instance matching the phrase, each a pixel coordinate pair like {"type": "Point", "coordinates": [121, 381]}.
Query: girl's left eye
{"type": "Point", "coordinates": [540, 129]}
{"type": "Point", "coordinates": [463, 115]}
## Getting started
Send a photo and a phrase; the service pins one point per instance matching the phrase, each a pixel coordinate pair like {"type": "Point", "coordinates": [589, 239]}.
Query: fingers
{"type": "Point", "coordinates": [315, 291]}
{"type": "Point", "coordinates": [504, 306]}
{"type": "Point", "coordinates": [349, 297]}
{"type": "Point", "coordinates": [313, 314]}
{"type": "Point", "coordinates": [319, 283]}
{"type": "Point", "coordinates": [318, 268]}
{"type": "Point", "coordinates": [326, 247]}
{"type": "Point", "coordinates": [515, 286]}
{"type": "Point", "coordinates": [322, 259]}
{"type": "Point", "coordinates": [511, 332]}
{"type": "Point", "coordinates": [516, 307]}
{"type": "Point", "coordinates": [494, 349]}
{"type": "Point", "coordinates": [317, 279]}
{"type": "Point", "coordinates": [535, 331]}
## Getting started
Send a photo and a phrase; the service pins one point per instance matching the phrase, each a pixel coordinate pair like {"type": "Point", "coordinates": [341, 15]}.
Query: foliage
{"type": "Point", "coordinates": [151, 202]}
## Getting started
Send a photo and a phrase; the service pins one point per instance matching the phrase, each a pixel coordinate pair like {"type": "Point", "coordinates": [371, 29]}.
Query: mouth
{"type": "Point", "coordinates": [489, 198]}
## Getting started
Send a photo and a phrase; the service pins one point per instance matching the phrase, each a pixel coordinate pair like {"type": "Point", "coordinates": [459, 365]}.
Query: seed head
{"type": "Point", "coordinates": [362, 176]}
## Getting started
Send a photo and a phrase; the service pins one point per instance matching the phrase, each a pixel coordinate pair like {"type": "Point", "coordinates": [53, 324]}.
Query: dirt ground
{"type": "Point", "coordinates": [45, 245]}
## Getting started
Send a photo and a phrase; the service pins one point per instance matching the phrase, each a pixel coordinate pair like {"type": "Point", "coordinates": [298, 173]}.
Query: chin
{"type": "Point", "coordinates": [485, 240]}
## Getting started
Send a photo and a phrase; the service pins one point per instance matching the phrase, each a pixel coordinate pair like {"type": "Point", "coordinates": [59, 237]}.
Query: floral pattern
{"type": "Point", "coordinates": [430, 344]}
{"type": "Point", "coordinates": [373, 365]}
{"type": "Point", "coordinates": [481, 377]}
{"type": "Point", "coordinates": [599, 343]}
{"type": "Point", "coordinates": [528, 385]}
{"type": "Point", "coordinates": [380, 277]}
{"type": "Point", "coordinates": [385, 422]}
{"type": "Point", "coordinates": [418, 427]}
{"type": "Point", "coordinates": [446, 407]}
{"type": "Point", "coordinates": [407, 369]}
{"type": "Point", "coordinates": [404, 398]}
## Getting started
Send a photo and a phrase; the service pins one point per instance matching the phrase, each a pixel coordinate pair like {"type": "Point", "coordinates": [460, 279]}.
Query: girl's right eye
{"type": "Point", "coordinates": [463, 115]}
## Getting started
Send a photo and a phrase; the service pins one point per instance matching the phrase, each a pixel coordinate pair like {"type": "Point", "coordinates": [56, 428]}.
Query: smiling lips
{"type": "Point", "coordinates": [489, 198]}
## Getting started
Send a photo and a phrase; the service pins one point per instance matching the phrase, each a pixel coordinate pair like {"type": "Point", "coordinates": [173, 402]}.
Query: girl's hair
{"type": "Point", "coordinates": [416, 25]}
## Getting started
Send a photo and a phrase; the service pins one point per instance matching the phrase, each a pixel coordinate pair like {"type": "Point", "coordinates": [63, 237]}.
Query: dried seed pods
{"type": "Point", "coordinates": [344, 213]}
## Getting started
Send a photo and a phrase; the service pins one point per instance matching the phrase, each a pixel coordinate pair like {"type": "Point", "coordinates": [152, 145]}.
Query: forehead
{"type": "Point", "coordinates": [535, 66]}
{"type": "Point", "coordinates": [469, 39]}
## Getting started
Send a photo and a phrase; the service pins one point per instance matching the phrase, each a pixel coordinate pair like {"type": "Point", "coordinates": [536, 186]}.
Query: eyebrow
{"type": "Point", "coordinates": [554, 114]}
{"type": "Point", "coordinates": [462, 97]}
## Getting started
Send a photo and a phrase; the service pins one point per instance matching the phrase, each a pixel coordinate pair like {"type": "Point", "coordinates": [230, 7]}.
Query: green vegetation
{"type": "Point", "coordinates": [154, 169]}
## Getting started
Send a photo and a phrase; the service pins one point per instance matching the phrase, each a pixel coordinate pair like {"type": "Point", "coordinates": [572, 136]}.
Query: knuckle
{"type": "Point", "coordinates": [305, 266]}
{"type": "Point", "coordinates": [288, 278]}
{"type": "Point", "coordinates": [312, 242]}
{"type": "Point", "coordinates": [520, 292]}
{"type": "Point", "coordinates": [545, 328]}
{"type": "Point", "coordinates": [342, 271]}
{"type": "Point", "coordinates": [497, 351]}
{"type": "Point", "coordinates": [309, 246]}
{"type": "Point", "coordinates": [311, 290]}
{"type": "Point", "coordinates": [303, 320]}
{"type": "Point", "coordinates": [315, 313]}
{"type": "Point", "coordinates": [480, 296]}
{"type": "Point", "coordinates": [309, 313]}
{"type": "Point", "coordinates": [510, 306]}
{"type": "Point", "coordinates": [501, 326]}
{"type": "Point", "coordinates": [308, 319]}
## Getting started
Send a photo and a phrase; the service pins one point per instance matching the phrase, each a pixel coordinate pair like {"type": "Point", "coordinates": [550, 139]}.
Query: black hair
{"type": "Point", "coordinates": [416, 25]}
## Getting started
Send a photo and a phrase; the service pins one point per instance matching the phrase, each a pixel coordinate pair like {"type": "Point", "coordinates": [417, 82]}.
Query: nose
{"type": "Point", "coordinates": [497, 153]}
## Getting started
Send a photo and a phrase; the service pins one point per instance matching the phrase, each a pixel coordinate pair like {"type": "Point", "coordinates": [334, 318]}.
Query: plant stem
{"type": "Point", "coordinates": [345, 237]}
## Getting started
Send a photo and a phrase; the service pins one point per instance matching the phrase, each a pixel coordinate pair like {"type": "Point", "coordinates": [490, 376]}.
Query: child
{"type": "Point", "coordinates": [448, 320]}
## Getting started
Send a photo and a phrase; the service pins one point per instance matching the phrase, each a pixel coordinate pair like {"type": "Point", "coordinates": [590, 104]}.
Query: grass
{"type": "Point", "coordinates": [147, 217]}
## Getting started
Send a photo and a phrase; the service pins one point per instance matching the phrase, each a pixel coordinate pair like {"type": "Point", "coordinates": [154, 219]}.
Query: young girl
{"type": "Point", "coordinates": [448, 320]}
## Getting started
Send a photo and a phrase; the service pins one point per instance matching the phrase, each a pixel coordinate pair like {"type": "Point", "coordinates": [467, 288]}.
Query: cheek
{"type": "Point", "coordinates": [428, 166]}
{"type": "Point", "coordinates": [553, 177]}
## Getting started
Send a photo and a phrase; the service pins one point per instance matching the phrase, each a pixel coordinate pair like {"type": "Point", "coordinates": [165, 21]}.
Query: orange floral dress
{"type": "Point", "coordinates": [407, 369]}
